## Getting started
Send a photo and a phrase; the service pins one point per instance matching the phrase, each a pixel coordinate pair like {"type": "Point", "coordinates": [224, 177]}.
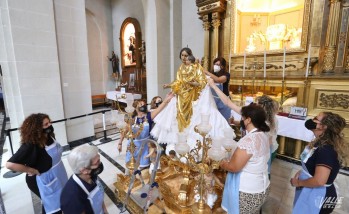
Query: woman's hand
{"type": "Point", "coordinates": [166, 86]}
{"type": "Point", "coordinates": [296, 176]}
{"type": "Point", "coordinates": [168, 97]}
{"type": "Point", "coordinates": [210, 82]}
{"type": "Point", "coordinates": [223, 163]}
{"type": "Point", "coordinates": [294, 182]}
{"type": "Point", "coordinates": [120, 147]}
{"type": "Point", "coordinates": [193, 83]}
{"type": "Point", "coordinates": [207, 73]}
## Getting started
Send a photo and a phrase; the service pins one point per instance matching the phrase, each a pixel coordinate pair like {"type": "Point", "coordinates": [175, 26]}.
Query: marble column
{"type": "Point", "coordinates": [206, 25]}
{"type": "Point", "coordinates": [331, 37]}
{"type": "Point", "coordinates": [216, 22]}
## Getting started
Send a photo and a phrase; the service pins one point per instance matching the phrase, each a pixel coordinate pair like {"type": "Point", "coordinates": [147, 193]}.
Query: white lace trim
{"type": "Point", "coordinates": [256, 143]}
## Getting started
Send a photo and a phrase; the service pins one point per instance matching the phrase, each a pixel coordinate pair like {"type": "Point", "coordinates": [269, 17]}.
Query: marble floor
{"type": "Point", "coordinates": [14, 190]}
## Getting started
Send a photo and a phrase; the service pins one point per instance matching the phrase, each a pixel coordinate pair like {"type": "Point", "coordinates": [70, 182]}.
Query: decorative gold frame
{"type": "Point", "coordinates": [304, 39]}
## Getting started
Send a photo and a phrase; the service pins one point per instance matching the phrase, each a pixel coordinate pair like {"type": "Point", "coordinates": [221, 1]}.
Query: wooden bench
{"type": "Point", "coordinates": [99, 99]}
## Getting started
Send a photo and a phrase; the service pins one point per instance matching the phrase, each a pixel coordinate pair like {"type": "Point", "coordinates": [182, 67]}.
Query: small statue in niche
{"type": "Point", "coordinates": [132, 48]}
{"type": "Point", "coordinates": [142, 51]}
{"type": "Point", "coordinates": [115, 65]}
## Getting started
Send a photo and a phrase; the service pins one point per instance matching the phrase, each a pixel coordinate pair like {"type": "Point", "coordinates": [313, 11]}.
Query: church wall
{"type": "Point", "coordinates": [30, 63]}
{"type": "Point", "coordinates": [164, 50]}
{"type": "Point", "coordinates": [192, 30]}
{"type": "Point", "coordinates": [71, 31]}
{"type": "Point", "coordinates": [100, 44]}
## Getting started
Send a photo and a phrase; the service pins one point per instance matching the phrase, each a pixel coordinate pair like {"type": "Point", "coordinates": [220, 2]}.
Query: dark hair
{"type": "Point", "coordinates": [172, 152]}
{"type": "Point", "coordinates": [191, 58]}
{"type": "Point", "coordinates": [223, 64]}
{"type": "Point", "coordinates": [32, 131]}
{"type": "Point", "coordinates": [257, 115]}
{"type": "Point", "coordinates": [221, 60]}
{"type": "Point", "coordinates": [188, 50]}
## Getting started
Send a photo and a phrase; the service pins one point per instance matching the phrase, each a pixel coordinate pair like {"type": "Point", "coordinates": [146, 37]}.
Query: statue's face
{"type": "Point", "coordinates": [184, 56]}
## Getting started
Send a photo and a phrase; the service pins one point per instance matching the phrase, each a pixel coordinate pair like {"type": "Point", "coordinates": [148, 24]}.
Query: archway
{"type": "Point", "coordinates": [132, 57]}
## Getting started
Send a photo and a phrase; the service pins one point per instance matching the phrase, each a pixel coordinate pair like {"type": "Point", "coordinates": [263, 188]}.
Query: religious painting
{"type": "Point", "coordinates": [129, 45]}
{"type": "Point", "coordinates": [272, 25]}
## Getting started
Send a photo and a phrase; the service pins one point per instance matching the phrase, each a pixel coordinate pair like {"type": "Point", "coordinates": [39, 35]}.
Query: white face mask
{"type": "Point", "coordinates": [216, 68]}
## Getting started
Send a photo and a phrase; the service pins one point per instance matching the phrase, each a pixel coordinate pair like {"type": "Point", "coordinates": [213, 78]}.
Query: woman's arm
{"type": "Point", "coordinates": [238, 161]}
{"type": "Point", "coordinates": [319, 179]}
{"type": "Point", "coordinates": [120, 141]}
{"type": "Point", "coordinates": [104, 208]}
{"type": "Point", "coordinates": [156, 111]}
{"type": "Point", "coordinates": [223, 97]}
{"type": "Point", "coordinates": [22, 168]}
{"type": "Point", "coordinates": [221, 79]}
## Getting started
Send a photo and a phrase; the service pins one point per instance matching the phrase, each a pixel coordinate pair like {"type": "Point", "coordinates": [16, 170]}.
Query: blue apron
{"type": "Point", "coordinates": [223, 109]}
{"type": "Point", "coordinates": [230, 201]}
{"type": "Point", "coordinates": [144, 161]}
{"type": "Point", "coordinates": [308, 200]}
{"type": "Point", "coordinates": [96, 196]}
{"type": "Point", "coordinates": [51, 183]}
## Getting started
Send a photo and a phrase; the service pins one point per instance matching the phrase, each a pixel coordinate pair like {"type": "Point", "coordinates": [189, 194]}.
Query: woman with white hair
{"type": "Point", "coordinates": [82, 194]}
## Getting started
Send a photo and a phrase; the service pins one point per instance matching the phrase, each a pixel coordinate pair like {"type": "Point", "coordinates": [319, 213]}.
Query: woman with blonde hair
{"type": "Point", "coordinates": [321, 161]}
{"type": "Point", "coordinates": [155, 103]}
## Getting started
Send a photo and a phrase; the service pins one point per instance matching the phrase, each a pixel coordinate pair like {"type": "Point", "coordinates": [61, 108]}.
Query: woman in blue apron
{"type": "Point", "coordinates": [51, 183]}
{"type": "Point", "coordinates": [315, 191]}
{"type": "Point", "coordinates": [221, 78]}
{"type": "Point", "coordinates": [40, 158]}
{"type": "Point", "coordinates": [247, 184]}
{"type": "Point", "coordinates": [83, 192]}
{"type": "Point", "coordinates": [144, 117]}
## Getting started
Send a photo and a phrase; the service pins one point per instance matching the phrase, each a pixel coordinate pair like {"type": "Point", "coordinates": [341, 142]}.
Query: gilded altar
{"type": "Point", "coordinates": [244, 32]}
{"type": "Point", "coordinates": [177, 185]}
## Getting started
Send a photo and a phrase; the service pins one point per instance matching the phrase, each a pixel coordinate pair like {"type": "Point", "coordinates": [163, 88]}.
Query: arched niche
{"type": "Point", "coordinates": [130, 42]}
{"type": "Point", "coordinates": [133, 73]}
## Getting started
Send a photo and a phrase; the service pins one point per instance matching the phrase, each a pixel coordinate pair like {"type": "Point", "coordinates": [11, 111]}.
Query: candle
{"type": "Point", "coordinates": [265, 64]}
{"type": "Point", "coordinates": [243, 68]}
{"type": "Point", "coordinates": [284, 62]}
{"type": "Point", "coordinates": [308, 62]}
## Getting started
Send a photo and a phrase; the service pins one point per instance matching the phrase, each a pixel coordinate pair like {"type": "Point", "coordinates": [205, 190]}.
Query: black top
{"type": "Point", "coordinates": [34, 156]}
{"type": "Point", "coordinates": [226, 83]}
{"type": "Point", "coordinates": [74, 198]}
{"type": "Point", "coordinates": [324, 156]}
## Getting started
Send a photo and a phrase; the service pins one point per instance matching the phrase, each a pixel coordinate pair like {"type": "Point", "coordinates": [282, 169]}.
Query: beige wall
{"type": "Point", "coordinates": [71, 31]}
{"type": "Point", "coordinates": [100, 44]}
{"type": "Point", "coordinates": [28, 55]}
